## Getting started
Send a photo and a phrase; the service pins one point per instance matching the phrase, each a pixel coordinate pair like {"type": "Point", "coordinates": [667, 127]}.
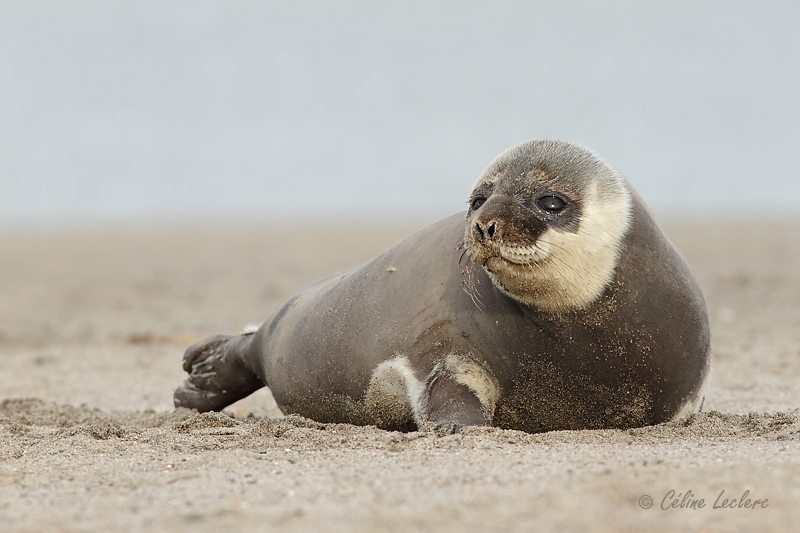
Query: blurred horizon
{"type": "Point", "coordinates": [126, 112]}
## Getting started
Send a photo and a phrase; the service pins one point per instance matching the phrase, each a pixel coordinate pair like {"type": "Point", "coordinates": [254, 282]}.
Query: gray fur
{"type": "Point", "coordinates": [636, 354]}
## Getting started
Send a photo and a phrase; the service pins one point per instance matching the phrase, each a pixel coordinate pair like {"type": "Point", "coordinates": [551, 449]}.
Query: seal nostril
{"type": "Point", "coordinates": [490, 229]}
{"type": "Point", "coordinates": [480, 230]}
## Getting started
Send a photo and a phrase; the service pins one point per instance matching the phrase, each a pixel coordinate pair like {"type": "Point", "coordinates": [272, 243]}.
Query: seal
{"type": "Point", "coordinates": [554, 302]}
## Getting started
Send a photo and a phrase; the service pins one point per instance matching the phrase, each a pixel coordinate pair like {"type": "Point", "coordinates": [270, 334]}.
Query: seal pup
{"type": "Point", "coordinates": [555, 302]}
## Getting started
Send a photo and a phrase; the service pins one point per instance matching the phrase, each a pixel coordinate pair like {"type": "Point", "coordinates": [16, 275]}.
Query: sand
{"type": "Point", "coordinates": [93, 325]}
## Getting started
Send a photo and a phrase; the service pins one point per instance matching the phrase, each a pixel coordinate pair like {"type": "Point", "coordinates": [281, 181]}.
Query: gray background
{"type": "Point", "coordinates": [140, 111]}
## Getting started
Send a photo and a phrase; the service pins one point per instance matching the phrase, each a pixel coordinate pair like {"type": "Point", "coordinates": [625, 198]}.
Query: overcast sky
{"type": "Point", "coordinates": [142, 110]}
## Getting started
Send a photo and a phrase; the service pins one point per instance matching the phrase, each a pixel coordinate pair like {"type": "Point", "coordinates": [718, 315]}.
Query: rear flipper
{"type": "Point", "coordinates": [218, 373]}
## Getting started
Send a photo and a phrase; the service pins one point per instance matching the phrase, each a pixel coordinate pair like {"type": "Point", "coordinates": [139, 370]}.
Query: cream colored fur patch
{"type": "Point", "coordinates": [249, 329]}
{"type": "Point", "coordinates": [394, 392]}
{"type": "Point", "coordinates": [565, 270]}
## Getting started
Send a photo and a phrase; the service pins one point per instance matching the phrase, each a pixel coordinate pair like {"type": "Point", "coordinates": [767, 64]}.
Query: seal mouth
{"type": "Point", "coordinates": [521, 255]}
{"type": "Point", "coordinates": [515, 269]}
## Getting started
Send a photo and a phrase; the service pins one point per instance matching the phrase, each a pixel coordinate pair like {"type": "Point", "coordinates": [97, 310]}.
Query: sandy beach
{"type": "Point", "coordinates": [93, 325]}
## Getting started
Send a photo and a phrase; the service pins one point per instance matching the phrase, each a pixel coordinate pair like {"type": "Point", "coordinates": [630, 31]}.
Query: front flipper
{"type": "Point", "coordinates": [452, 406]}
{"type": "Point", "coordinates": [218, 374]}
{"type": "Point", "coordinates": [458, 392]}
{"type": "Point", "coordinates": [461, 392]}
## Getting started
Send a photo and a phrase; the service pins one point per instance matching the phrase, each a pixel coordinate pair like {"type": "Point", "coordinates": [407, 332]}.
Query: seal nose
{"type": "Point", "coordinates": [486, 229]}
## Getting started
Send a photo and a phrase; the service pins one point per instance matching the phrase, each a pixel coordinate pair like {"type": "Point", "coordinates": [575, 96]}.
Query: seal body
{"type": "Point", "coordinates": [555, 302]}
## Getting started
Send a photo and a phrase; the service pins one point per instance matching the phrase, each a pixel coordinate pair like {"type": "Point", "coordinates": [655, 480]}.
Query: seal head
{"type": "Point", "coordinates": [546, 220]}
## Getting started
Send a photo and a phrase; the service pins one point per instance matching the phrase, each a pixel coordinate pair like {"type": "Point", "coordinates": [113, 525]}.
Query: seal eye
{"type": "Point", "coordinates": [552, 204]}
{"type": "Point", "coordinates": [477, 202]}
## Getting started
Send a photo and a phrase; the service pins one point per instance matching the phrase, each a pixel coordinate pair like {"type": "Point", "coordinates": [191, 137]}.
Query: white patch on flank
{"type": "Point", "coordinates": [394, 379]}
{"type": "Point", "coordinates": [693, 403]}
{"type": "Point", "coordinates": [478, 379]}
{"type": "Point", "coordinates": [249, 329]}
